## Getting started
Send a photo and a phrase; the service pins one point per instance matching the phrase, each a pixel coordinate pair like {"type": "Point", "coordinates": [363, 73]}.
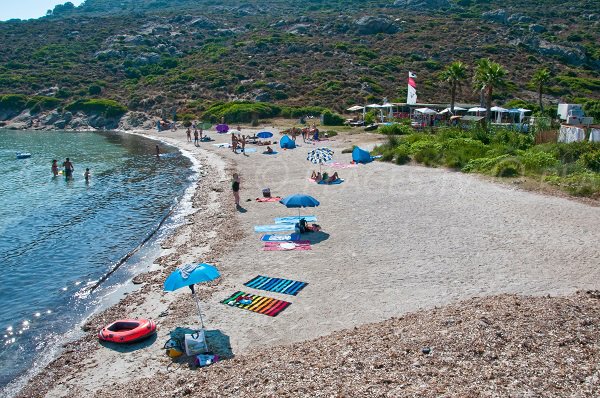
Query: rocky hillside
{"type": "Point", "coordinates": [163, 55]}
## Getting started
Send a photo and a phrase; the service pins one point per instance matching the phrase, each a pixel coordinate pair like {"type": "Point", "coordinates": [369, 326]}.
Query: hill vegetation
{"type": "Point", "coordinates": [160, 56]}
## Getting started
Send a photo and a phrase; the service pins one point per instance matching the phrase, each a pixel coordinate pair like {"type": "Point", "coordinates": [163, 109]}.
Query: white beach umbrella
{"type": "Point", "coordinates": [355, 108]}
{"type": "Point", "coordinates": [477, 109]}
{"type": "Point", "coordinates": [426, 111]}
{"type": "Point", "coordinates": [498, 109]}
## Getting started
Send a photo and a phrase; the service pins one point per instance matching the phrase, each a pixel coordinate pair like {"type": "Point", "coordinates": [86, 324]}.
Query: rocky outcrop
{"type": "Point", "coordinates": [55, 120]}
{"type": "Point", "coordinates": [416, 5]}
{"type": "Point", "coordinates": [570, 54]}
{"type": "Point", "coordinates": [500, 16]}
{"type": "Point", "coordinates": [369, 25]}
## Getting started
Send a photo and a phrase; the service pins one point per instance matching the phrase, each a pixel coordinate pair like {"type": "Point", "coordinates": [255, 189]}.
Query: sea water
{"type": "Point", "coordinates": [60, 238]}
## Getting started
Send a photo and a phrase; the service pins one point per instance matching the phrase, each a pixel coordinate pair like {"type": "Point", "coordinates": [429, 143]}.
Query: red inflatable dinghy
{"type": "Point", "coordinates": [127, 330]}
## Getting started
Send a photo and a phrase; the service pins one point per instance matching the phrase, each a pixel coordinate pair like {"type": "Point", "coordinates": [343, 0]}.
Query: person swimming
{"type": "Point", "coordinates": [54, 168]}
{"type": "Point", "coordinates": [68, 168]}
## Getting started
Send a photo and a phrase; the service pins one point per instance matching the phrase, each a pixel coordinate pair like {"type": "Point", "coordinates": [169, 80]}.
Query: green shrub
{"type": "Point", "coordinates": [294, 112]}
{"type": "Point", "coordinates": [94, 89]}
{"type": "Point", "coordinates": [578, 184]}
{"type": "Point", "coordinates": [402, 155]}
{"type": "Point", "coordinates": [40, 103]}
{"type": "Point", "coordinates": [13, 101]}
{"type": "Point", "coordinates": [483, 165]}
{"type": "Point", "coordinates": [508, 168]}
{"type": "Point", "coordinates": [591, 160]}
{"type": "Point", "coordinates": [332, 119]}
{"type": "Point", "coordinates": [106, 107]}
{"type": "Point", "coordinates": [536, 161]}
{"type": "Point", "coordinates": [395, 129]}
{"type": "Point", "coordinates": [388, 155]}
{"type": "Point", "coordinates": [427, 152]}
{"type": "Point", "coordinates": [240, 111]}
{"type": "Point", "coordinates": [457, 152]}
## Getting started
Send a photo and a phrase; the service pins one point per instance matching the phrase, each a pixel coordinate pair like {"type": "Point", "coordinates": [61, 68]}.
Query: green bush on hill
{"type": "Point", "coordinates": [240, 111]}
{"type": "Point", "coordinates": [574, 167]}
{"type": "Point", "coordinates": [16, 102]}
{"type": "Point", "coordinates": [105, 107]}
{"type": "Point", "coordinates": [332, 119]}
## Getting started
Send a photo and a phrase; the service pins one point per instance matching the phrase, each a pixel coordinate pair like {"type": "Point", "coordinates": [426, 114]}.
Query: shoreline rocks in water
{"type": "Point", "coordinates": [80, 121]}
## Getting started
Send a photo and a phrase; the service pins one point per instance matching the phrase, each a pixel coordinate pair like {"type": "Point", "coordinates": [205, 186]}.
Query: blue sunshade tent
{"type": "Point", "coordinates": [361, 156]}
{"type": "Point", "coordinates": [287, 143]}
{"type": "Point", "coordinates": [188, 275]}
{"type": "Point", "coordinates": [264, 134]}
{"type": "Point", "coordinates": [299, 201]}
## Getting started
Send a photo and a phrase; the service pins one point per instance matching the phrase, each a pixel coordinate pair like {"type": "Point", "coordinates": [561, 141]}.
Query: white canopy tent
{"type": "Point", "coordinates": [355, 108]}
{"type": "Point", "coordinates": [426, 111]}
{"type": "Point", "coordinates": [456, 109]}
{"type": "Point", "coordinates": [499, 111]}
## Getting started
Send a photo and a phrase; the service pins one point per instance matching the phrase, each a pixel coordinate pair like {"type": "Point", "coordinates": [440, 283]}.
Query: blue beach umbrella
{"type": "Point", "coordinates": [264, 134]}
{"type": "Point", "coordinates": [299, 200]}
{"type": "Point", "coordinates": [320, 156]}
{"type": "Point", "coordinates": [188, 275]}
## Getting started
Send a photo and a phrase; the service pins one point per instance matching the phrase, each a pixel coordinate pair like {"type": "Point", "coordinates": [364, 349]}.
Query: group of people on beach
{"type": "Point", "coordinates": [325, 177]}
{"type": "Point", "coordinates": [198, 131]}
{"type": "Point", "coordinates": [238, 141]}
{"type": "Point", "coordinates": [68, 170]}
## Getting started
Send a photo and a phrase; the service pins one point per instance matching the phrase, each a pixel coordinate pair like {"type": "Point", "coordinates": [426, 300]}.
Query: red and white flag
{"type": "Point", "coordinates": [411, 97]}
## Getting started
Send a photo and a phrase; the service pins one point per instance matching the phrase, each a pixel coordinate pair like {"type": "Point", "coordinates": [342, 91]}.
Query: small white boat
{"type": "Point", "coordinates": [23, 155]}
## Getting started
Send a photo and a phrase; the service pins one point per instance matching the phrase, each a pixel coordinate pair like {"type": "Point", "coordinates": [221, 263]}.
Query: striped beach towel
{"type": "Point", "coordinates": [275, 199]}
{"type": "Point", "coordinates": [286, 246]}
{"type": "Point", "coordinates": [284, 286]}
{"type": "Point", "coordinates": [261, 304]}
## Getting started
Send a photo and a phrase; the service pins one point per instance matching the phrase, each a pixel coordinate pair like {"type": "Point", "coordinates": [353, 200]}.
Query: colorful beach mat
{"type": "Point", "coordinates": [274, 228]}
{"type": "Point", "coordinates": [286, 246]}
{"type": "Point", "coordinates": [251, 302]}
{"type": "Point", "coordinates": [280, 238]}
{"type": "Point", "coordinates": [294, 220]}
{"type": "Point", "coordinates": [278, 285]}
{"type": "Point", "coordinates": [338, 165]}
{"type": "Point", "coordinates": [275, 199]}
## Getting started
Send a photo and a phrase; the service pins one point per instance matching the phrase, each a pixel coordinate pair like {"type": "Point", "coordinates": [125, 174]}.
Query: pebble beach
{"type": "Point", "coordinates": [423, 282]}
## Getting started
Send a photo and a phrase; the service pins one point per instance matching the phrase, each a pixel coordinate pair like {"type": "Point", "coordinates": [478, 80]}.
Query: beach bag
{"type": "Point", "coordinates": [195, 343]}
{"type": "Point", "coordinates": [266, 192]}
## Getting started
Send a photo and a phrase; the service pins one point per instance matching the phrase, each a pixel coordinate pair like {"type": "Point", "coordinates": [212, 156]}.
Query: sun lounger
{"type": "Point", "coordinates": [274, 228]}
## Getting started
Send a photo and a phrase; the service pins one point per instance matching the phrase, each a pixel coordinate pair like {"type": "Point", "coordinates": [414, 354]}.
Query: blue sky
{"type": "Point", "coordinates": [25, 9]}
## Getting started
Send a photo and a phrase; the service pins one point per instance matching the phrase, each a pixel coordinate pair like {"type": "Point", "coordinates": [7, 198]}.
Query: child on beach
{"type": "Point", "coordinates": [235, 187]}
{"type": "Point", "coordinates": [188, 133]}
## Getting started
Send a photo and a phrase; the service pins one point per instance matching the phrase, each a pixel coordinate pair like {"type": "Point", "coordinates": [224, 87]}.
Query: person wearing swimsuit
{"type": "Point", "coordinates": [235, 187]}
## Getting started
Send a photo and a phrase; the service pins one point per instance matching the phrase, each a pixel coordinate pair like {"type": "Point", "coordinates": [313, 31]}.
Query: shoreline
{"type": "Point", "coordinates": [85, 345]}
{"type": "Point", "coordinates": [404, 275]}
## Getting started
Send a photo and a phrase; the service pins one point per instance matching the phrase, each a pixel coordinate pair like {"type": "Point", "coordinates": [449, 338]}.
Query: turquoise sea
{"type": "Point", "coordinates": [60, 239]}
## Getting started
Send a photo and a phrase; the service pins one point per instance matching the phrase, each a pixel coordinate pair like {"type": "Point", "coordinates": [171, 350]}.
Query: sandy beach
{"type": "Point", "coordinates": [395, 240]}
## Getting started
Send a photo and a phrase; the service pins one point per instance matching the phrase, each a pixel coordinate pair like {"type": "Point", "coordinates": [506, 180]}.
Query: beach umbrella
{"type": "Point", "coordinates": [264, 134]}
{"type": "Point", "coordinates": [320, 156]}
{"type": "Point", "coordinates": [188, 275]}
{"type": "Point", "coordinates": [222, 128]}
{"type": "Point", "coordinates": [355, 108]}
{"type": "Point", "coordinates": [299, 201]}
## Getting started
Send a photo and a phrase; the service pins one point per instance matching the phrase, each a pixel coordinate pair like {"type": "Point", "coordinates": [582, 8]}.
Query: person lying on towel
{"type": "Point", "coordinates": [304, 227]}
{"type": "Point", "coordinates": [326, 178]}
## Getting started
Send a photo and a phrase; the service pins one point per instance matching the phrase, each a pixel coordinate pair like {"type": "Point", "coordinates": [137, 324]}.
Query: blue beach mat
{"type": "Point", "coordinates": [294, 220]}
{"type": "Point", "coordinates": [280, 238]}
{"type": "Point", "coordinates": [272, 153]}
{"type": "Point", "coordinates": [336, 182]}
{"type": "Point", "coordinates": [278, 285]}
{"type": "Point", "coordinates": [274, 228]}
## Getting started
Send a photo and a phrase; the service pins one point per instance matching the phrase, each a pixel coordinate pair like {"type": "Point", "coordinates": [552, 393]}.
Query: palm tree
{"type": "Point", "coordinates": [488, 76]}
{"type": "Point", "coordinates": [540, 78]}
{"type": "Point", "coordinates": [454, 74]}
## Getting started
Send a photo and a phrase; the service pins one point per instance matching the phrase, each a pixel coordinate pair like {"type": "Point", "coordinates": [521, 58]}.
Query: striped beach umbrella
{"type": "Point", "coordinates": [320, 156]}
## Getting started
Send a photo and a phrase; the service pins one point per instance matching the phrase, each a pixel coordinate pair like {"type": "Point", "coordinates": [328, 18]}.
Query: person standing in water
{"type": "Point", "coordinates": [157, 151]}
{"type": "Point", "coordinates": [235, 187]}
{"type": "Point", "coordinates": [87, 175]}
{"type": "Point", "coordinates": [68, 168]}
{"type": "Point", "coordinates": [54, 168]}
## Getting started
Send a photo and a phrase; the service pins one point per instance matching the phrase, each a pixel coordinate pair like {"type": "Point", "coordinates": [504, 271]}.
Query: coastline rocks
{"type": "Point", "coordinates": [369, 25]}
{"type": "Point", "coordinates": [500, 16]}
{"type": "Point", "coordinates": [417, 5]}
{"type": "Point", "coordinates": [133, 120]}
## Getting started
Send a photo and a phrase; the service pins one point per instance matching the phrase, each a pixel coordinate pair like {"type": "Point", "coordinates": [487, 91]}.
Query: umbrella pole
{"type": "Point", "coordinates": [197, 305]}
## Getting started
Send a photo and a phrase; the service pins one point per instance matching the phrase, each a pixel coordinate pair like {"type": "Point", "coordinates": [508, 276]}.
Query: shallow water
{"type": "Point", "coordinates": [58, 238]}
